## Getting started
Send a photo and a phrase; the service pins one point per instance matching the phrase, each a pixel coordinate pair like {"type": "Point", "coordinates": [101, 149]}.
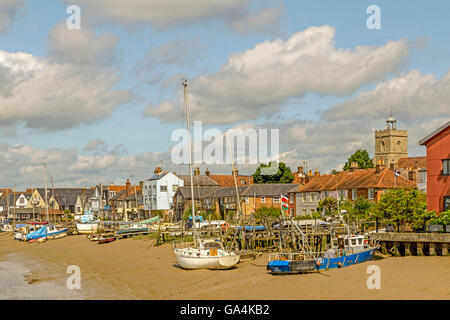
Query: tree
{"type": "Point", "coordinates": [328, 205]}
{"type": "Point", "coordinates": [267, 212]}
{"type": "Point", "coordinates": [404, 205]}
{"type": "Point", "coordinates": [361, 157]}
{"type": "Point", "coordinates": [283, 174]}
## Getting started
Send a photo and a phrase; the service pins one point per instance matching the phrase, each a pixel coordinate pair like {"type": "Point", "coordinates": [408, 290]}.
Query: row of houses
{"type": "Point", "coordinates": [170, 194]}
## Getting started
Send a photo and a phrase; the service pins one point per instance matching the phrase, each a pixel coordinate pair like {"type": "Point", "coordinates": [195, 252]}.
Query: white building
{"type": "Point", "coordinates": [158, 191]}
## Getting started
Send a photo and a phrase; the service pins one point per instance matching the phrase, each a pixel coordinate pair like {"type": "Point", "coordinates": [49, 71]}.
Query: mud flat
{"type": "Point", "coordinates": [136, 269]}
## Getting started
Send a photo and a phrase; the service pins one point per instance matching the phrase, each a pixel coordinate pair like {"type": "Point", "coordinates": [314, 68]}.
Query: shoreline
{"type": "Point", "coordinates": [136, 269]}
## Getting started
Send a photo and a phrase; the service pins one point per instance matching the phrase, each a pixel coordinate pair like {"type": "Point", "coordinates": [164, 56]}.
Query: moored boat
{"type": "Point", "coordinates": [208, 254]}
{"type": "Point", "coordinates": [346, 250]}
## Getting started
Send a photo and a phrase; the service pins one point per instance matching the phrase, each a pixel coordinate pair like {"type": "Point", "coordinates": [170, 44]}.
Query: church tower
{"type": "Point", "coordinates": [391, 144]}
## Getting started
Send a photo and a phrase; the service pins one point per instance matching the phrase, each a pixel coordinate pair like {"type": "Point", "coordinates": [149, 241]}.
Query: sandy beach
{"type": "Point", "coordinates": [136, 269]}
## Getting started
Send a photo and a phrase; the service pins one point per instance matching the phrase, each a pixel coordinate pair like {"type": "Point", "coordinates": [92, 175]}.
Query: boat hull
{"type": "Point", "coordinates": [304, 266]}
{"type": "Point", "coordinates": [206, 262]}
{"type": "Point", "coordinates": [85, 228]}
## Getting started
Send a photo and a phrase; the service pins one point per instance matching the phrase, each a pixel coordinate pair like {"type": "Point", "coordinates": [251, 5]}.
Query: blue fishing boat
{"type": "Point", "coordinates": [47, 232]}
{"type": "Point", "coordinates": [346, 250]}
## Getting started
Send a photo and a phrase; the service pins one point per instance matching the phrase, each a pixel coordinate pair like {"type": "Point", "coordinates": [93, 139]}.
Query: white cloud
{"type": "Point", "coordinates": [81, 46]}
{"type": "Point", "coordinates": [414, 96]}
{"type": "Point", "coordinates": [163, 13]}
{"type": "Point", "coordinates": [259, 81]}
{"type": "Point", "coordinates": [9, 10]}
{"type": "Point", "coordinates": [48, 95]}
{"type": "Point", "coordinates": [94, 144]}
{"type": "Point", "coordinates": [265, 21]}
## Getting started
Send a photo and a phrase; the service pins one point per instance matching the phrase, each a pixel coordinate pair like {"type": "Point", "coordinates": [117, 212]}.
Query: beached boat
{"type": "Point", "coordinates": [346, 250]}
{"type": "Point", "coordinates": [208, 254]}
{"type": "Point", "coordinates": [203, 253]}
{"type": "Point", "coordinates": [107, 238]}
{"type": "Point", "coordinates": [87, 227]}
{"type": "Point", "coordinates": [47, 232]}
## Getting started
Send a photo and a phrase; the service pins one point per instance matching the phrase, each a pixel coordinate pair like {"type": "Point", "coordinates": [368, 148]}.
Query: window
{"type": "Point", "coordinates": [326, 194]}
{"type": "Point", "coordinates": [291, 198]}
{"type": "Point", "coordinates": [446, 203]}
{"type": "Point", "coordinates": [371, 193]}
{"type": "Point", "coordinates": [303, 197]}
{"type": "Point", "coordinates": [21, 200]}
{"type": "Point", "coordinates": [411, 175]}
{"type": "Point", "coordinates": [354, 194]}
{"type": "Point", "coordinates": [423, 176]}
{"type": "Point", "coordinates": [163, 188]}
{"type": "Point", "coordinates": [304, 212]}
{"type": "Point", "coordinates": [446, 167]}
{"type": "Point", "coordinates": [341, 194]}
{"type": "Point", "coordinates": [263, 199]}
{"type": "Point", "coordinates": [112, 194]}
{"type": "Point", "coordinates": [276, 199]}
{"type": "Point", "coordinates": [353, 242]}
{"type": "Point", "coordinates": [247, 200]}
{"type": "Point", "coordinates": [311, 196]}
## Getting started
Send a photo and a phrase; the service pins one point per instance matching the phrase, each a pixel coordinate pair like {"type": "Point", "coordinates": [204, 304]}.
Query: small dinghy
{"type": "Point", "coordinates": [106, 239]}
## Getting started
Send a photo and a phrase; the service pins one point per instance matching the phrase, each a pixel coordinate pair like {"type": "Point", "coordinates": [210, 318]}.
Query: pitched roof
{"type": "Point", "coordinates": [159, 176]}
{"type": "Point", "coordinates": [434, 133]}
{"type": "Point", "coordinates": [199, 180]}
{"type": "Point", "coordinates": [269, 189]}
{"type": "Point", "coordinates": [200, 192]}
{"type": "Point", "coordinates": [412, 162]}
{"type": "Point", "coordinates": [357, 179]}
{"type": "Point", "coordinates": [64, 196]}
{"type": "Point", "coordinates": [225, 180]}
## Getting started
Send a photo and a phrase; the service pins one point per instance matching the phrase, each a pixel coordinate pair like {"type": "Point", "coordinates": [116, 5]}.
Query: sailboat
{"type": "Point", "coordinates": [203, 253]}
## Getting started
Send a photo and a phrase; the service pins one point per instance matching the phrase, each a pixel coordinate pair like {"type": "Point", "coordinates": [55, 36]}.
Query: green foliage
{"type": "Point", "coordinates": [267, 211]}
{"type": "Point", "coordinates": [362, 158]}
{"type": "Point", "coordinates": [283, 174]}
{"type": "Point", "coordinates": [443, 218]}
{"type": "Point", "coordinates": [404, 205]}
{"type": "Point", "coordinates": [328, 205]}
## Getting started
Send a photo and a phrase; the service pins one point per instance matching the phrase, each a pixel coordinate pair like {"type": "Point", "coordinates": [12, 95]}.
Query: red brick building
{"type": "Point", "coordinates": [438, 168]}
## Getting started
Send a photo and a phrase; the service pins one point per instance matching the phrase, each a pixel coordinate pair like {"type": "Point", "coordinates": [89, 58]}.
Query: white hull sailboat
{"type": "Point", "coordinates": [85, 228]}
{"type": "Point", "coordinates": [208, 254]}
{"type": "Point", "coordinates": [202, 254]}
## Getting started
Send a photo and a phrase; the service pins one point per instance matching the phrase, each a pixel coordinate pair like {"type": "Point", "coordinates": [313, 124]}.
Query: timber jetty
{"type": "Point", "coordinates": [416, 244]}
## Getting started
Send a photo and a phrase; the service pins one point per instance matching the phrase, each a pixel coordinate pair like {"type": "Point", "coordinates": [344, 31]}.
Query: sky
{"type": "Point", "coordinates": [99, 104]}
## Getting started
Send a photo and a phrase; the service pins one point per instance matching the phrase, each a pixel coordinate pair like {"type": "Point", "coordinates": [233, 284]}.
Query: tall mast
{"type": "Point", "coordinates": [14, 211]}
{"type": "Point", "coordinates": [45, 186]}
{"type": "Point", "coordinates": [186, 106]}
{"type": "Point", "coordinates": [234, 175]}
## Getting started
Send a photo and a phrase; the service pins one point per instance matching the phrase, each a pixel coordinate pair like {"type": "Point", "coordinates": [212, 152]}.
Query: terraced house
{"type": "Point", "coordinates": [348, 185]}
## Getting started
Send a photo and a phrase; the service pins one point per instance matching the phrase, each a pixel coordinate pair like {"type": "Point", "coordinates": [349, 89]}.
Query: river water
{"type": "Point", "coordinates": [14, 284]}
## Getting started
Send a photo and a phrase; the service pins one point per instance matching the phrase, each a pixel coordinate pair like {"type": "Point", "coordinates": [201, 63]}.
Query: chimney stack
{"type": "Point", "coordinates": [353, 166]}
{"type": "Point", "coordinates": [316, 173]}
{"type": "Point", "coordinates": [299, 169]}
{"type": "Point", "coordinates": [235, 172]}
{"type": "Point", "coordinates": [128, 188]}
{"type": "Point", "coordinates": [380, 166]}
{"type": "Point", "coordinates": [207, 172]}
{"type": "Point", "coordinates": [196, 171]}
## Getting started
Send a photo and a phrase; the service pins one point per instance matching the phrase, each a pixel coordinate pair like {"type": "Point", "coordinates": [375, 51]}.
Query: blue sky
{"type": "Point", "coordinates": [210, 41]}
